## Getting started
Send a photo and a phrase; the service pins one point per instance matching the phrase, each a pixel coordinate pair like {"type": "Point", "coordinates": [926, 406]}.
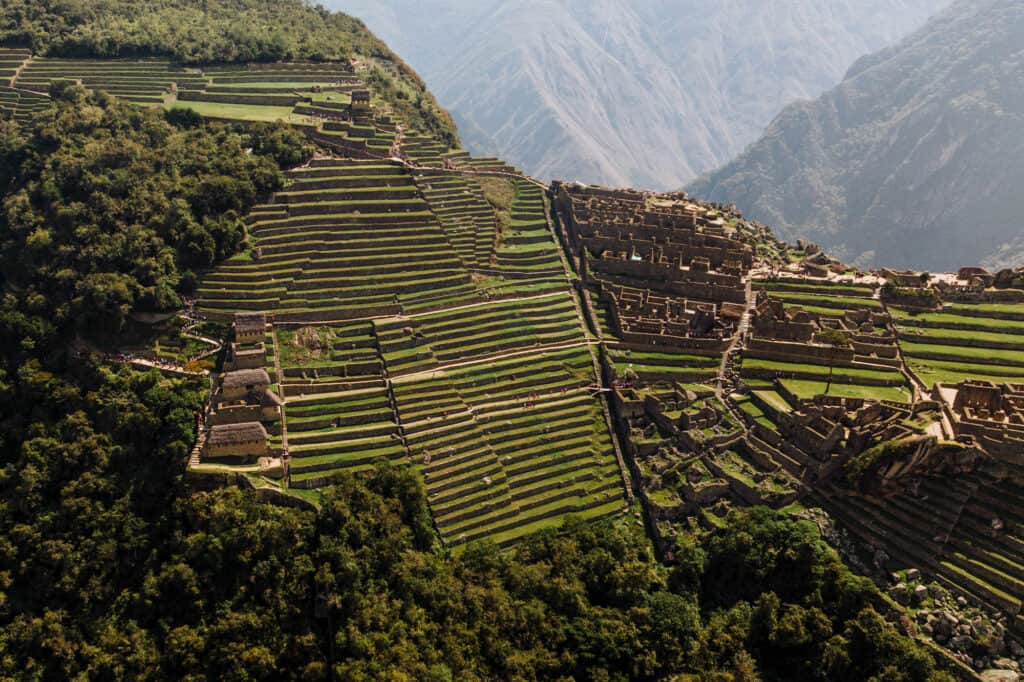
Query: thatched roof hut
{"type": "Point", "coordinates": [227, 435]}
{"type": "Point", "coordinates": [244, 378]}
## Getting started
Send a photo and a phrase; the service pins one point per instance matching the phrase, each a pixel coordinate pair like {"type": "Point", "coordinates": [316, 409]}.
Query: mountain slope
{"type": "Point", "coordinates": [650, 93]}
{"type": "Point", "coordinates": [914, 160]}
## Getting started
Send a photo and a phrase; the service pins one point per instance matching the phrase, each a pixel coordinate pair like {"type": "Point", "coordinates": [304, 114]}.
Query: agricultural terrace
{"type": "Point", "coordinates": [346, 239]}
{"type": "Point", "coordinates": [18, 103]}
{"type": "Point", "coordinates": [510, 446]}
{"type": "Point", "coordinates": [315, 97]}
{"type": "Point", "coordinates": [945, 528]}
{"type": "Point", "coordinates": [963, 341]}
{"type": "Point", "coordinates": [424, 316]}
{"type": "Point", "coordinates": [361, 239]}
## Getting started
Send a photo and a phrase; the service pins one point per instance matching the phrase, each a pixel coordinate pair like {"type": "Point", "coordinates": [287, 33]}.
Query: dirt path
{"type": "Point", "coordinates": [17, 72]}
{"type": "Point", "coordinates": [737, 339]}
{"type": "Point", "coordinates": [162, 366]}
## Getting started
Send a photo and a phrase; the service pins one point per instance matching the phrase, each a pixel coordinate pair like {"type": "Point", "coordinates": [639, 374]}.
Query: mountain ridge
{"type": "Point", "coordinates": [649, 93]}
{"type": "Point", "coordinates": [919, 142]}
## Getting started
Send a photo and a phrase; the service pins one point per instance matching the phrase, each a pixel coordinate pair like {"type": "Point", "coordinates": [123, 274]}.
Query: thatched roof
{"type": "Point", "coordinates": [246, 377]}
{"type": "Point", "coordinates": [237, 434]}
{"type": "Point", "coordinates": [271, 399]}
{"type": "Point", "coordinates": [250, 323]}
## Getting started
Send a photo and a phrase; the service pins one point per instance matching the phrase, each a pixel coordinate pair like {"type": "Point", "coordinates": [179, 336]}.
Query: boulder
{"type": "Point", "coordinates": [900, 593]}
{"type": "Point", "coordinates": [1006, 664]}
{"type": "Point", "coordinates": [1000, 676]}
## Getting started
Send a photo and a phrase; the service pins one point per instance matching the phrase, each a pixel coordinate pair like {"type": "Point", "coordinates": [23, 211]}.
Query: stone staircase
{"type": "Point", "coordinates": [197, 449]}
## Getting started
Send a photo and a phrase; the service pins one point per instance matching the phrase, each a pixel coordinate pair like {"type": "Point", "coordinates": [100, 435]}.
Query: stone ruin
{"type": "Point", "coordinates": [991, 414]}
{"type": "Point", "coordinates": [670, 269]}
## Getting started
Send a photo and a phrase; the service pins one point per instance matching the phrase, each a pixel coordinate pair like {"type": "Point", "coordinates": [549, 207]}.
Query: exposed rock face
{"type": "Point", "coordinates": [914, 160]}
{"type": "Point", "coordinates": [645, 93]}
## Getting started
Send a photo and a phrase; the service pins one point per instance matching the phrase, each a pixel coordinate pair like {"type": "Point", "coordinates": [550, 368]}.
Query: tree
{"type": "Point", "coordinates": [835, 339]}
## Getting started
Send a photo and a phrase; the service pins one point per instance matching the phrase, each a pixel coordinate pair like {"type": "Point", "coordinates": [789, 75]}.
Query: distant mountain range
{"type": "Point", "coordinates": [916, 159]}
{"type": "Point", "coordinates": [646, 93]}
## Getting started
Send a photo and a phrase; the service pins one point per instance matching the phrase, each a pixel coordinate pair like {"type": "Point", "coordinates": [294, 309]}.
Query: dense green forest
{"type": "Point", "coordinates": [110, 206]}
{"type": "Point", "coordinates": [111, 568]}
{"type": "Point", "coordinates": [188, 30]}
{"type": "Point", "coordinates": [218, 586]}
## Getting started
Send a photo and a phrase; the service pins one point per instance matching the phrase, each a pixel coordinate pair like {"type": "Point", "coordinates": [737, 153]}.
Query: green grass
{"type": "Point", "coordinates": [754, 411]}
{"type": "Point", "coordinates": [822, 288]}
{"type": "Point", "coordinates": [827, 300]}
{"type": "Point", "coordinates": [676, 359]}
{"type": "Point", "coordinates": [242, 112]}
{"type": "Point", "coordinates": [808, 389]}
{"type": "Point", "coordinates": [314, 496]}
{"type": "Point", "coordinates": [936, 371]}
{"type": "Point", "coordinates": [965, 352]}
{"type": "Point", "coordinates": [1016, 308]}
{"type": "Point", "coordinates": [937, 335]}
{"type": "Point", "coordinates": [948, 320]}
{"type": "Point", "coordinates": [852, 372]}
{"type": "Point", "coordinates": [775, 400]}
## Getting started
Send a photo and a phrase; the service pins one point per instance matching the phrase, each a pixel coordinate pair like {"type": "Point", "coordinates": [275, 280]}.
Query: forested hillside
{"type": "Point", "coordinates": [914, 160]}
{"type": "Point", "coordinates": [114, 566]}
{"type": "Point", "coordinates": [644, 94]}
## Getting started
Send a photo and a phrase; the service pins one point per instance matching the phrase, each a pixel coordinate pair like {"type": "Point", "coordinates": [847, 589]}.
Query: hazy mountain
{"type": "Point", "coordinates": [915, 159]}
{"type": "Point", "coordinates": [637, 92]}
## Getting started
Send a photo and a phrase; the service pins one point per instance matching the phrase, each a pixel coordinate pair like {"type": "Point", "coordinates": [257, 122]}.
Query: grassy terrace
{"type": "Point", "coordinates": [973, 561]}
{"type": "Point", "coordinates": [871, 380]}
{"type": "Point", "coordinates": [934, 344]}
{"type": "Point", "coordinates": [525, 244]}
{"type": "Point", "coordinates": [773, 400]}
{"type": "Point", "coordinates": [312, 94]}
{"type": "Point", "coordinates": [21, 105]}
{"type": "Point", "coordinates": [424, 150]}
{"type": "Point", "coordinates": [324, 249]}
{"type": "Point", "coordinates": [239, 112]}
{"type": "Point", "coordinates": [335, 431]}
{"type": "Point", "coordinates": [510, 446]}
{"type": "Point", "coordinates": [804, 389]}
{"type": "Point", "coordinates": [324, 354]}
{"type": "Point", "coordinates": [952, 321]}
{"type": "Point", "coordinates": [750, 407]}
{"type": "Point", "coordinates": [11, 59]}
{"type": "Point", "coordinates": [651, 365]}
{"type": "Point", "coordinates": [813, 287]}
{"type": "Point", "coordinates": [1009, 310]}
{"type": "Point", "coordinates": [825, 300]}
{"type": "Point", "coordinates": [840, 374]}
{"type": "Point", "coordinates": [361, 263]}
{"type": "Point", "coordinates": [411, 345]}
{"type": "Point", "coordinates": [464, 213]}
{"type": "Point", "coordinates": [147, 81]}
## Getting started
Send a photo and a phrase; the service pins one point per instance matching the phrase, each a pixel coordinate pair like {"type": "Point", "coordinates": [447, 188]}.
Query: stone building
{"type": "Point", "coordinates": [250, 327]}
{"type": "Point", "coordinates": [992, 414]}
{"type": "Point", "coordinates": [244, 385]}
{"type": "Point", "coordinates": [360, 100]}
{"type": "Point", "coordinates": [239, 442]}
